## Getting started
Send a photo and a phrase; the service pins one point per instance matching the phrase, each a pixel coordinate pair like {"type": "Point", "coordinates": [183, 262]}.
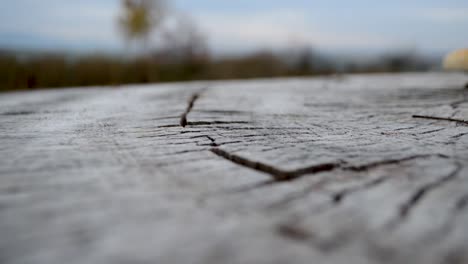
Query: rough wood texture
{"type": "Point", "coordinates": [346, 169]}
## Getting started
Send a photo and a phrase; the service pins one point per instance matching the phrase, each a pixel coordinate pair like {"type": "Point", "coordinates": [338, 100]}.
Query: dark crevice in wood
{"type": "Point", "coordinates": [274, 148]}
{"type": "Point", "coordinates": [314, 169]}
{"type": "Point", "coordinates": [200, 136]}
{"type": "Point", "coordinates": [171, 164]}
{"type": "Point", "coordinates": [294, 232]}
{"type": "Point", "coordinates": [456, 112]}
{"type": "Point", "coordinates": [373, 165]}
{"type": "Point", "coordinates": [459, 135]}
{"type": "Point", "coordinates": [180, 152]}
{"type": "Point", "coordinates": [208, 123]}
{"type": "Point", "coordinates": [275, 173]}
{"type": "Point", "coordinates": [178, 143]}
{"type": "Point", "coordinates": [152, 132]}
{"type": "Point", "coordinates": [230, 142]}
{"type": "Point", "coordinates": [259, 128]}
{"type": "Point", "coordinates": [213, 141]}
{"type": "Point", "coordinates": [341, 195]}
{"type": "Point", "coordinates": [191, 103]}
{"type": "Point", "coordinates": [442, 118]}
{"type": "Point", "coordinates": [247, 188]}
{"type": "Point", "coordinates": [157, 136]}
{"type": "Point", "coordinates": [17, 113]}
{"type": "Point", "coordinates": [168, 126]}
{"type": "Point", "coordinates": [430, 131]}
{"type": "Point", "coordinates": [301, 235]}
{"type": "Point", "coordinates": [162, 118]}
{"type": "Point", "coordinates": [456, 104]}
{"type": "Point", "coordinates": [418, 195]}
{"type": "Point", "coordinates": [255, 135]}
{"type": "Point", "coordinates": [190, 131]}
{"type": "Point", "coordinates": [280, 175]}
{"type": "Point", "coordinates": [205, 123]}
{"type": "Point", "coordinates": [226, 112]}
{"type": "Point", "coordinates": [462, 203]}
{"type": "Point", "coordinates": [406, 128]}
{"type": "Point", "coordinates": [447, 227]}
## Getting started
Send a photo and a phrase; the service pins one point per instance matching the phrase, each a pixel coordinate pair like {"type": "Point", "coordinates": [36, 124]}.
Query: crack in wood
{"type": "Point", "coordinates": [168, 126]}
{"type": "Point", "coordinates": [416, 197]}
{"type": "Point", "coordinates": [294, 232]}
{"type": "Point", "coordinates": [162, 118]}
{"type": "Point", "coordinates": [180, 152]}
{"type": "Point", "coordinates": [442, 118]}
{"type": "Point", "coordinates": [339, 196]}
{"type": "Point", "coordinates": [190, 131]}
{"type": "Point", "coordinates": [226, 112]}
{"type": "Point", "coordinates": [406, 128]}
{"type": "Point", "coordinates": [456, 104]}
{"type": "Point", "coordinates": [280, 175]}
{"type": "Point", "coordinates": [156, 136]}
{"type": "Point", "coordinates": [229, 142]}
{"type": "Point", "coordinates": [184, 121]}
{"type": "Point", "coordinates": [247, 188]}
{"type": "Point", "coordinates": [462, 203]}
{"type": "Point", "coordinates": [251, 128]}
{"type": "Point", "coordinates": [459, 135]}
{"type": "Point", "coordinates": [17, 113]}
{"type": "Point", "coordinates": [430, 131]}
{"type": "Point", "coordinates": [373, 165]}
{"type": "Point", "coordinates": [171, 164]}
{"type": "Point", "coordinates": [213, 141]}
{"type": "Point", "coordinates": [191, 103]}
{"type": "Point", "coordinates": [208, 123]}
{"type": "Point", "coordinates": [434, 236]}
{"type": "Point", "coordinates": [275, 173]}
{"type": "Point", "coordinates": [300, 234]}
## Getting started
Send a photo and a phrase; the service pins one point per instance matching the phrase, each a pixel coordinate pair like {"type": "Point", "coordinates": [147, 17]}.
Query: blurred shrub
{"type": "Point", "coordinates": [17, 72]}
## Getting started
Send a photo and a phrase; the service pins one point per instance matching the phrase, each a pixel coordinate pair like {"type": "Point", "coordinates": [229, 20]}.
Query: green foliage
{"type": "Point", "coordinates": [139, 18]}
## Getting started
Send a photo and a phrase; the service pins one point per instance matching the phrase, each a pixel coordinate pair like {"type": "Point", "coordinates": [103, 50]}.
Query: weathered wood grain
{"type": "Point", "coordinates": [344, 169]}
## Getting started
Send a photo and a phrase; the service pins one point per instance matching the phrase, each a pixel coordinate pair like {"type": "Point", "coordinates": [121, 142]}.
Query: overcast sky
{"type": "Point", "coordinates": [431, 26]}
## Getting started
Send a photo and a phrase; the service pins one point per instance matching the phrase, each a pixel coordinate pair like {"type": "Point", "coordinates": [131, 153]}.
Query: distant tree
{"type": "Point", "coordinates": [181, 41]}
{"type": "Point", "coordinates": [404, 61]}
{"type": "Point", "coordinates": [304, 61]}
{"type": "Point", "coordinates": [182, 49]}
{"type": "Point", "coordinates": [139, 18]}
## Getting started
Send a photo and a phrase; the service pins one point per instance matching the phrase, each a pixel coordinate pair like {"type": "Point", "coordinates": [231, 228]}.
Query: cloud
{"type": "Point", "coordinates": [76, 23]}
{"type": "Point", "coordinates": [444, 14]}
{"type": "Point", "coordinates": [279, 29]}
{"type": "Point", "coordinates": [92, 24]}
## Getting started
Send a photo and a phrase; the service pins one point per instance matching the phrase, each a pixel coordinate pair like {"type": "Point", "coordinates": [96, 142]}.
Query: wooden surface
{"type": "Point", "coordinates": [345, 169]}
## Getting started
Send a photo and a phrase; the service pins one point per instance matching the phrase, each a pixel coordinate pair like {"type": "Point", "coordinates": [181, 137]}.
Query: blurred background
{"type": "Point", "coordinates": [65, 43]}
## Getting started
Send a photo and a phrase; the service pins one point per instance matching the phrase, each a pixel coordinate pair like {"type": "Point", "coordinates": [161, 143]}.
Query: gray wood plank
{"type": "Point", "coordinates": [342, 169]}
